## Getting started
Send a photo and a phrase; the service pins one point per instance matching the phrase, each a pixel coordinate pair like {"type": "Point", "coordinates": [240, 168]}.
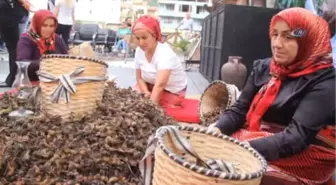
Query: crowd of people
{"type": "Point", "coordinates": [286, 111]}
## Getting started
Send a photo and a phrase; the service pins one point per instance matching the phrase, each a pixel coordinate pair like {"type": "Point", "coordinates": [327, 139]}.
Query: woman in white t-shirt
{"type": "Point", "coordinates": [159, 71]}
{"type": "Point", "coordinates": [65, 13]}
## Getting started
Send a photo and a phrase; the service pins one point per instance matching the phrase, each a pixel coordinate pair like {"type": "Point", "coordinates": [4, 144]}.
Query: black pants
{"type": "Point", "coordinates": [64, 31]}
{"type": "Point", "coordinates": [10, 35]}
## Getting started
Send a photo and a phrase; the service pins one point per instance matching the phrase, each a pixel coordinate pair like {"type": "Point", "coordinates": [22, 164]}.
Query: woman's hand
{"type": "Point", "coordinates": [216, 130]}
{"type": "Point", "coordinates": [26, 4]}
{"type": "Point", "coordinates": [147, 94]}
{"type": "Point", "coordinates": [213, 127]}
{"type": "Point", "coordinates": [247, 143]}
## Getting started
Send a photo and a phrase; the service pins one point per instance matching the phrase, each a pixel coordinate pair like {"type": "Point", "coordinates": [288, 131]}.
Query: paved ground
{"type": "Point", "coordinates": [126, 76]}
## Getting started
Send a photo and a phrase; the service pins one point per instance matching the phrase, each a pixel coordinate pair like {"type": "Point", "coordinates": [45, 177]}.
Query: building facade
{"type": "Point", "coordinates": [135, 8]}
{"type": "Point", "coordinates": [106, 11]}
{"type": "Point", "coordinates": [171, 13]}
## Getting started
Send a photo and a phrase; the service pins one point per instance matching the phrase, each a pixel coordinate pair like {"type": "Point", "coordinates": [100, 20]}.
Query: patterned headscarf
{"type": "Point", "coordinates": [45, 45]}
{"type": "Point", "coordinates": [313, 36]}
{"type": "Point", "coordinates": [150, 24]}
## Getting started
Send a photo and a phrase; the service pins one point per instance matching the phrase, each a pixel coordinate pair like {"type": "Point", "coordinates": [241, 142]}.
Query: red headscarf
{"type": "Point", "coordinates": [150, 24]}
{"type": "Point", "coordinates": [45, 45]}
{"type": "Point", "coordinates": [313, 55]}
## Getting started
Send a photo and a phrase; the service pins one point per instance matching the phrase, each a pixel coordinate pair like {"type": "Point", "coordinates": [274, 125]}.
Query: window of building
{"type": "Point", "coordinates": [167, 20]}
{"type": "Point", "coordinates": [200, 9]}
{"type": "Point", "coordinates": [170, 7]}
{"type": "Point", "coordinates": [185, 8]}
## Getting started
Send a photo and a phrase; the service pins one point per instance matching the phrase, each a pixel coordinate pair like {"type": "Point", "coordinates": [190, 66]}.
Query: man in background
{"type": "Point", "coordinates": [187, 23]}
{"type": "Point", "coordinates": [187, 26]}
{"type": "Point", "coordinates": [129, 22]}
{"type": "Point", "coordinates": [328, 12]}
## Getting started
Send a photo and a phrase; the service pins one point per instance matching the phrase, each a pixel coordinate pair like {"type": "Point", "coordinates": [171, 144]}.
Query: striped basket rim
{"type": "Point", "coordinates": [75, 57]}
{"type": "Point", "coordinates": [209, 86]}
{"type": "Point", "coordinates": [208, 172]}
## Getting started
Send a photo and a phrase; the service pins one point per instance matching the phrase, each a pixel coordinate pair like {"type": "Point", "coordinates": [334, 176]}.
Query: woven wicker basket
{"type": "Point", "coordinates": [87, 95]}
{"type": "Point", "coordinates": [83, 49]}
{"type": "Point", "coordinates": [217, 95]}
{"type": "Point", "coordinates": [169, 169]}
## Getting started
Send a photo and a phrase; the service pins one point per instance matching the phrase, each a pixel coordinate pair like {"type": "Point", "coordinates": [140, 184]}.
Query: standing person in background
{"type": "Point", "coordinates": [121, 33]}
{"type": "Point", "coordinates": [129, 22]}
{"type": "Point", "coordinates": [187, 23]}
{"type": "Point", "coordinates": [65, 13]}
{"type": "Point", "coordinates": [23, 24]}
{"type": "Point", "coordinates": [329, 14]}
{"type": "Point", "coordinates": [51, 5]}
{"type": "Point", "coordinates": [11, 13]}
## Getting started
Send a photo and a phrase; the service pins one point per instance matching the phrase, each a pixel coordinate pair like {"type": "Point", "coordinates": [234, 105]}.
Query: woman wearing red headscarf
{"type": "Point", "coordinates": [40, 40]}
{"type": "Point", "coordinates": [288, 102]}
{"type": "Point", "coordinates": [159, 71]}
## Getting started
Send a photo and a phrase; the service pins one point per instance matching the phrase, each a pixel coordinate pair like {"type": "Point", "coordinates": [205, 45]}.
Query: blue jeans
{"type": "Point", "coordinates": [309, 5]}
{"type": "Point", "coordinates": [2, 44]}
{"type": "Point", "coordinates": [121, 44]}
{"type": "Point", "coordinates": [23, 25]}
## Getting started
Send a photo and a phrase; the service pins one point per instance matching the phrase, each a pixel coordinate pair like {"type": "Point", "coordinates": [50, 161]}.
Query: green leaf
{"type": "Point", "coordinates": [182, 45]}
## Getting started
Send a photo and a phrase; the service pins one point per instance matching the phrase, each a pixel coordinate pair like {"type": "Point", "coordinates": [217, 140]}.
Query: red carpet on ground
{"type": "Point", "coordinates": [188, 112]}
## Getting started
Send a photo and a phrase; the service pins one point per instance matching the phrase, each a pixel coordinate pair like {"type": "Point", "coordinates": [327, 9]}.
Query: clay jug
{"type": "Point", "coordinates": [259, 3]}
{"type": "Point", "coordinates": [242, 2]}
{"type": "Point", "coordinates": [234, 72]}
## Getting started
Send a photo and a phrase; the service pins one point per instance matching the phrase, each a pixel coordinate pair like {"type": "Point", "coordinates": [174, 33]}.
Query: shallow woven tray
{"type": "Point", "coordinates": [217, 95]}
{"type": "Point", "coordinates": [208, 144]}
{"type": "Point", "coordinates": [88, 94]}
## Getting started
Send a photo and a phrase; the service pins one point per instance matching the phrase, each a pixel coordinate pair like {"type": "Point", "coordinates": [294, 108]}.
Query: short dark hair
{"type": "Point", "coordinates": [128, 24]}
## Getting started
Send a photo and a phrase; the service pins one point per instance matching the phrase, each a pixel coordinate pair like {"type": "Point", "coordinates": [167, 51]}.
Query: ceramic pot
{"type": "Point", "coordinates": [234, 72]}
{"type": "Point", "coordinates": [242, 2]}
